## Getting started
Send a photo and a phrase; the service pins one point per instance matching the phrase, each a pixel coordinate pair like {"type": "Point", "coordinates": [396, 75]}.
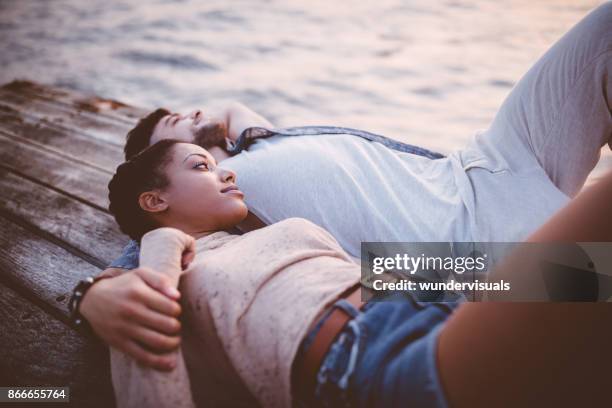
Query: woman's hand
{"type": "Point", "coordinates": [137, 313]}
{"type": "Point", "coordinates": [167, 250]}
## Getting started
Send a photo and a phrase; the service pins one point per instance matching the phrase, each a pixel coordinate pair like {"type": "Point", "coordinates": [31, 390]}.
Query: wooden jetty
{"type": "Point", "coordinates": [59, 151]}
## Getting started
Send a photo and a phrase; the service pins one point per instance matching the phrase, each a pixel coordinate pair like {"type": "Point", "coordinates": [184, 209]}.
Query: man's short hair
{"type": "Point", "coordinates": [139, 137]}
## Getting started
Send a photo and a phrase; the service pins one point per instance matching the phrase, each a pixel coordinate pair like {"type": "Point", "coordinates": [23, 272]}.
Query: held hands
{"type": "Point", "coordinates": [137, 312]}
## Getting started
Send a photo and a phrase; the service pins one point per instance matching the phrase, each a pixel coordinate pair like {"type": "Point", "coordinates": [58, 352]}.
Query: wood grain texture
{"type": "Point", "coordinates": [71, 221]}
{"type": "Point", "coordinates": [40, 267]}
{"type": "Point", "coordinates": [59, 151]}
{"type": "Point", "coordinates": [38, 350]}
{"type": "Point", "coordinates": [45, 134]}
{"type": "Point", "coordinates": [77, 109]}
{"type": "Point", "coordinates": [69, 175]}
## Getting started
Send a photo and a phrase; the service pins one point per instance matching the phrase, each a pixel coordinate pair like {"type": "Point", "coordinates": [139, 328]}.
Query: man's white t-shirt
{"type": "Point", "coordinates": [356, 189]}
{"type": "Point", "coordinates": [360, 190]}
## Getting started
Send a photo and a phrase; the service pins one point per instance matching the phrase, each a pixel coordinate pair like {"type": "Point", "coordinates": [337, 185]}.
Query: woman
{"type": "Point", "coordinates": [238, 288]}
{"type": "Point", "coordinates": [257, 305]}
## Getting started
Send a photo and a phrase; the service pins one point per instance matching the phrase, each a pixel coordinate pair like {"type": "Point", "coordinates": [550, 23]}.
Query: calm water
{"type": "Point", "coordinates": [426, 72]}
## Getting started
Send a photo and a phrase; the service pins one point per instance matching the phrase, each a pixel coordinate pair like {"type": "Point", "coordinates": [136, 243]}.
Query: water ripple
{"type": "Point", "coordinates": [173, 61]}
{"type": "Point", "coordinates": [396, 67]}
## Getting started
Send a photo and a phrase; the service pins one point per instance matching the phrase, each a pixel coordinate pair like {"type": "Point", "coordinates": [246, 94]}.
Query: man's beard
{"type": "Point", "coordinates": [212, 134]}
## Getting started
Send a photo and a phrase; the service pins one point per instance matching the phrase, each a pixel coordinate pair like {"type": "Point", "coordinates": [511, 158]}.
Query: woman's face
{"type": "Point", "coordinates": [200, 197]}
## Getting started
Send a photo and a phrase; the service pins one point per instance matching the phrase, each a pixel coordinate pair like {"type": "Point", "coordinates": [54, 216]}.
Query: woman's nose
{"type": "Point", "coordinates": [227, 176]}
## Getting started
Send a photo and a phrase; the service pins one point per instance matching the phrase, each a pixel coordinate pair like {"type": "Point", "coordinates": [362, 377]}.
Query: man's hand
{"type": "Point", "coordinates": [136, 313]}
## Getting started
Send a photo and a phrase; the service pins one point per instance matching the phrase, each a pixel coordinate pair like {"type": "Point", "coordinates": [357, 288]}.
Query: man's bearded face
{"type": "Point", "coordinates": [206, 131]}
{"type": "Point", "coordinates": [211, 134]}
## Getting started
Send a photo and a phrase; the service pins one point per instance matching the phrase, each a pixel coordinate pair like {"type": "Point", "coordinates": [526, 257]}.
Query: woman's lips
{"type": "Point", "coordinates": [228, 188]}
{"type": "Point", "coordinates": [232, 190]}
{"type": "Point", "coordinates": [235, 192]}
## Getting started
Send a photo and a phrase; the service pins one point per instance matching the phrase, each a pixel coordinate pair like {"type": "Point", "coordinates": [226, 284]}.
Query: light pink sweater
{"type": "Point", "coordinates": [248, 301]}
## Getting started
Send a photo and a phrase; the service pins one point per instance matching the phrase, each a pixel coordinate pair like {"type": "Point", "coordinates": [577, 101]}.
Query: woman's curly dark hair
{"type": "Point", "coordinates": [143, 172]}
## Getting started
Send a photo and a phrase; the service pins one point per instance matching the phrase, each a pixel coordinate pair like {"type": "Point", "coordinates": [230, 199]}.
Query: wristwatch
{"type": "Point", "coordinates": [75, 301]}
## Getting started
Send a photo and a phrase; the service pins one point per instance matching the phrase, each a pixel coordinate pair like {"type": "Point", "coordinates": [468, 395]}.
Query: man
{"type": "Point", "coordinates": [508, 181]}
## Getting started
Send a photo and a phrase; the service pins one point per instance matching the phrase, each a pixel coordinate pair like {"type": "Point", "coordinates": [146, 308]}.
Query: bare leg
{"type": "Point", "coordinates": [526, 354]}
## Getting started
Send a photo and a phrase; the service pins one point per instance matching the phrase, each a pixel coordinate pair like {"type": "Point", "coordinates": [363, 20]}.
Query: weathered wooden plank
{"type": "Point", "coordinates": [68, 120]}
{"type": "Point", "coordinates": [39, 350]}
{"type": "Point", "coordinates": [47, 135]}
{"type": "Point", "coordinates": [70, 220]}
{"type": "Point", "coordinates": [103, 119]}
{"type": "Point", "coordinates": [59, 150]}
{"type": "Point", "coordinates": [35, 265]}
{"type": "Point", "coordinates": [72, 176]}
{"type": "Point", "coordinates": [89, 106]}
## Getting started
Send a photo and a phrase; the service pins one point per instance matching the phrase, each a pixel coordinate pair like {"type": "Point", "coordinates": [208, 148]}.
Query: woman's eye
{"type": "Point", "coordinates": [201, 165]}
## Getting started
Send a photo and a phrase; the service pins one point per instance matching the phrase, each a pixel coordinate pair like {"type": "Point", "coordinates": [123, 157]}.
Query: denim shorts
{"type": "Point", "coordinates": [385, 356]}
